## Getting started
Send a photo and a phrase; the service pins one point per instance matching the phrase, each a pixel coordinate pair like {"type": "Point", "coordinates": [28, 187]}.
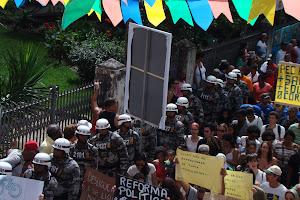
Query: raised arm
{"type": "Point", "coordinates": [94, 105]}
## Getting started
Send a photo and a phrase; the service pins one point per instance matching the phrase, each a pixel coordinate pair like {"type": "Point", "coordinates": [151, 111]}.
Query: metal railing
{"type": "Point", "coordinates": [28, 121]}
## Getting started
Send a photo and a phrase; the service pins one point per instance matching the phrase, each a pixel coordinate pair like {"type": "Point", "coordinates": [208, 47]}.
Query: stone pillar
{"type": "Point", "coordinates": [183, 56]}
{"type": "Point", "coordinates": [112, 75]}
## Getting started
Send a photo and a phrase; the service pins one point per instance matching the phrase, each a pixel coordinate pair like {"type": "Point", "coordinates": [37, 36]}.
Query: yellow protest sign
{"type": "Point", "coordinates": [199, 169]}
{"type": "Point", "coordinates": [239, 185]}
{"type": "Point", "coordinates": [288, 84]}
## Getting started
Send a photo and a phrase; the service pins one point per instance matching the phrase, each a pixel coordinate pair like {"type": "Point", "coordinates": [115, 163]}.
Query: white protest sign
{"type": "Point", "coordinates": [17, 188]}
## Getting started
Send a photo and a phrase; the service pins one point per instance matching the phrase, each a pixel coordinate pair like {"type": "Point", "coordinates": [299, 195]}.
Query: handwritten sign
{"type": "Point", "coordinates": [239, 185]}
{"type": "Point", "coordinates": [97, 186]}
{"type": "Point", "coordinates": [133, 189]}
{"type": "Point", "coordinates": [12, 187]}
{"type": "Point", "coordinates": [199, 169]}
{"type": "Point", "coordinates": [288, 84]}
{"type": "Point", "coordinates": [210, 196]}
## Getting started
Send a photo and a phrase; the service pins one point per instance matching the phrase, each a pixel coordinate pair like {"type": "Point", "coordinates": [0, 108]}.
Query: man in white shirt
{"type": "Point", "coordinates": [253, 119]}
{"type": "Point", "coordinates": [273, 189]}
{"type": "Point", "coordinates": [281, 53]}
{"type": "Point", "coordinates": [261, 45]}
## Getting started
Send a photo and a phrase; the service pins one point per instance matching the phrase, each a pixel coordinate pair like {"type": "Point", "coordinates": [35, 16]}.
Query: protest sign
{"type": "Point", "coordinates": [239, 185]}
{"type": "Point", "coordinates": [17, 188]}
{"type": "Point", "coordinates": [288, 84]}
{"type": "Point", "coordinates": [210, 196]}
{"type": "Point", "coordinates": [135, 190]}
{"type": "Point", "coordinates": [199, 169]}
{"type": "Point", "coordinates": [97, 186]}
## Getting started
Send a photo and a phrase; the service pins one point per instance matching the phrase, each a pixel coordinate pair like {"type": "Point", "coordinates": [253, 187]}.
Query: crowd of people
{"type": "Point", "coordinates": [228, 114]}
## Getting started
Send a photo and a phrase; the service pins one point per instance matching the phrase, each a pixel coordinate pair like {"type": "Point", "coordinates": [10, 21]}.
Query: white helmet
{"type": "Point", "coordinates": [102, 124]}
{"type": "Point", "coordinates": [62, 144]}
{"type": "Point", "coordinates": [171, 107]}
{"type": "Point", "coordinates": [219, 82]}
{"type": "Point", "coordinates": [182, 101]}
{"type": "Point", "coordinates": [211, 79]}
{"type": "Point", "coordinates": [123, 118]}
{"type": "Point", "coordinates": [237, 71]}
{"type": "Point", "coordinates": [84, 122]}
{"type": "Point", "coordinates": [5, 168]}
{"type": "Point", "coordinates": [42, 159]}
{"type": "Point", "coordinates": [83, 130]}
{"type": "Point", "coordinates": [232, 75]}
{"type": "Point", "coordinates": [186, 86]}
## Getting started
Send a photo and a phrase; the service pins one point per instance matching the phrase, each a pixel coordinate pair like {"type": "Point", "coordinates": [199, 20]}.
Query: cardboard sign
{"type": "Point", "coordinates": [133, 189]}
{"type": "Point", "coordinates": [12, 187]}
{"type": "Point", "coordinates": [288, 84]}
{"type": "Point", "coordinates": [97, 186]}
{"type": "Point", "coordinates": [210, 196]}
{"type": "Point", "coordinates": [199, 169]}
{"type": "Point", "coordinates": [239, 185]}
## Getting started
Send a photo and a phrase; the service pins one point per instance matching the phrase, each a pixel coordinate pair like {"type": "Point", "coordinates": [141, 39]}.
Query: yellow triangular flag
{"type": "Point", "coordinates": [3, 3]}
{"type": "Point", "coordinates": [155, 14]}
{"type": "Point", "coordinates": [98, 15]}
{"type": "Point", "coordinates": [266, 7]}
{"type": "Point", "coordinates": [91, 11]}
{"type": "Point", "coordinates": [66, 2]}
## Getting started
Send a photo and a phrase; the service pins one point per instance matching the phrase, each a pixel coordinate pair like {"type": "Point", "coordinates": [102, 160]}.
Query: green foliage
{"type": "Point", "coordinates": [26, 67]}
{"type": "Point", "coordinates": [94, 50]}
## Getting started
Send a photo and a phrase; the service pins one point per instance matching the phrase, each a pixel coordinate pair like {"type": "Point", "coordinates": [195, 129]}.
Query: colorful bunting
{"type": "Point", "coordinates": [266, 7]}
{"type": "Point", "coordinates": [3, 3]}
{"type": "Point", "coordinates": [131, 10]}
{"type": "Point", "coordinates": [97, 7]}
{"type": "Point", "coordinates": [43, 2]}
{"type": "Point", "coordinates": [113, 11]}
{"type": "Point", "coordinates": [150, 2]}
{"type": "Point", "coordinates": [243, 9]}
{"type": "Point", "coordinates": [291, 7]}
{"type": "Point", "coordinates": [201, 12]}
{"type": "Point", "coordinates": [156, 13]}
{"type": "Point", "coordinates": [54, 2]}
{"type": "Point", "coordinates": [220, 6]}
{"type": "Point", "coordinates": [19, 3]}
{"type": "Point", "coordinates": [74, 10]}
{"type": "Point", "coordinates": [179, 9]}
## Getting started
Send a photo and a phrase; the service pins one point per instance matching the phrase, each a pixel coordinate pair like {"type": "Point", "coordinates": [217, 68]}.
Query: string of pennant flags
{"type": "Point", "coordinates": [201, 12]}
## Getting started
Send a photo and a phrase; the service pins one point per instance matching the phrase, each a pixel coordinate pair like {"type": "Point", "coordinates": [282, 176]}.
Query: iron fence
{"type": "Point", "coordinates": [28, 121]}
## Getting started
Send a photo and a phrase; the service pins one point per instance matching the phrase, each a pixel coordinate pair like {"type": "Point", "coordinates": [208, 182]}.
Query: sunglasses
{"type": "Point", "coordinates": [138, 165]}
{"type": "Point", "coordinates": [219, 130]}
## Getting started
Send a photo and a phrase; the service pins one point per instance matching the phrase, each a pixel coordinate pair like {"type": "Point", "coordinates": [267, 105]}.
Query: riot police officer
{"type": "Point", "coordinates": [130, 137]}
{"type": "Point", "coordinates": [183, 114]}
{"type": "Point", "coordinates": [42, 164]}
{"type": "Point", "coordinates": [84, 153]}
{"type": "Point", "coordinates": [65, 170]}
{"type": "Point", "coordinates": [173, 134]}
{"type": "Point", "coordinates": [243, 85]}
{"type": "Point", "coordinates": [112, 152]}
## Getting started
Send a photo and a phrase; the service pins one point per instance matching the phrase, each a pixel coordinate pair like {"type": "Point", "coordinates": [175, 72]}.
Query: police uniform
{"type": "Point", "coordinates": [50, 183]}
{"type": "Point", "coordinates": [112, 153]}
{"type": "Point", "coordinates": [245, 89]}
{"type": "Point", "coordinates": [132, 141]}
{"type": "Point", "coordinates": [148, 138]}
{"type": "Point", "coordinates": [173, 134]}
{"type": "Point", "coordinates": [187, 119]}
{"type": "Point", "coordinates": [67, 174]}
{"type": "Point", "coordinates": [235, 98]}
{"type": "Point", "coordinates": [196, 109]}
{"type": "Point", "coordinates": [85, 157]}
{"type": "Point", "coordinates": [210, 102]}
{"type": "Point", "coordinates": [222, 101]}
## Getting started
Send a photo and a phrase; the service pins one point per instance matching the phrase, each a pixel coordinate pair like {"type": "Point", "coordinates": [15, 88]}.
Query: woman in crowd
{"type": "Point", "coordinates": [224, 117]}
{"type": "Point", "coordinates": [284, 150]}
{"type": "Point", "coordinates": [199, 70]}
{"type": "Point", "coordinates": [249, 149]}
{"type": "Point", "coordinates": [173, 189]}
{"type": "Point", "coordinates": [233, 130]}
{"type": "Point", "coordinates": [159, 163]}
{"type": "Point", "coordinates": [261, 87]}
{"type": "Point", "coordinates": [230, 151]}
{"type": "Point", "coordinates": [193, 139]}
{"type": "Point", "coordinates": [141, 166]}
{"type": "Point", "coordinates": [265, 156]}
{"type": "Point", "coordinates": [252, 163]}
{"type": "Point", "coordinates": [222, 128]}
{"type": "Point", "coordinates": [278, 130]}
{"type": "Point", "coordinates": [172, 98]}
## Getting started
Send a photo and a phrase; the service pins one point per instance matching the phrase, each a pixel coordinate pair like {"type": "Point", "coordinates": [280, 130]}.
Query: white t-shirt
{"type": "Point", "coordinates": [275, 130]}
{"type": "Point", "coordinates": [254, 78]}
{"type": "Point", "coordinates": [280, 56]}
{"type": "Point", "coordinates": [244, 142]}
{"type": "Point", "coordinates": [274, 193]}
{"type": "Point", "coordinates": [132, 171]}
{"type": "Point", "coordinates": [257, 121]}
{"type": "Point", "coordinates": [262, 46]}
{"type": "Point", "coordinates": [261, 176]}
{"type": "Point", "coordinates": [192, 147]}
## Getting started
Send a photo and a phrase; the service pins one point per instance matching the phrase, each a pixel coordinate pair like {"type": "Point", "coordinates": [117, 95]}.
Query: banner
{"type": "Point", "coordinates": [239, 185]}
{"type": "Point", "coordinates": [17, 188]}
{"type": "Point", "coordinates": [288, 84]}
{"type": "Point", "coordinates": [199, 169]}
{"type": "Point", "coordinates": [97, 186]}
{"type": "Point", "coordinates": [133, 189]}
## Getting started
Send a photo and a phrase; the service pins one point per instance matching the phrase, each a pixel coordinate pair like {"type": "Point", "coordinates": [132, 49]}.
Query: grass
{"type": "Point", "coordinates": [61, 75]}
